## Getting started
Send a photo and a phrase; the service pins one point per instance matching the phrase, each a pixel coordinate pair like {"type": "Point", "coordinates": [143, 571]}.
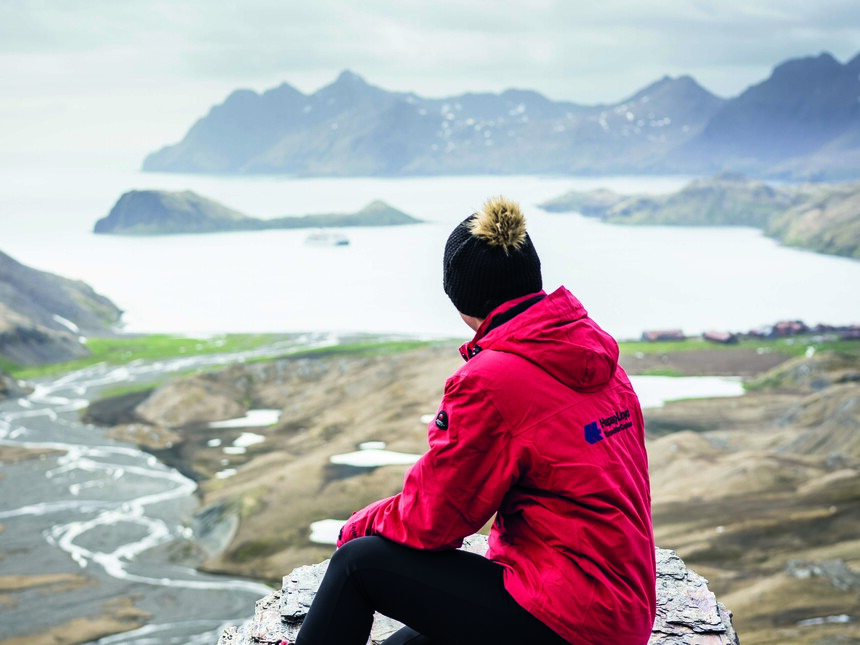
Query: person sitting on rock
{"type": "Point", "coordinates": [539, 428]}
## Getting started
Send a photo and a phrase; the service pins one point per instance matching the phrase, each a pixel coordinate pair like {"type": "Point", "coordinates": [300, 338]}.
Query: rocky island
{"type": "Point", "coordinates": [821, 217]}
{"type": "Point", "coordinates": [159, 212]}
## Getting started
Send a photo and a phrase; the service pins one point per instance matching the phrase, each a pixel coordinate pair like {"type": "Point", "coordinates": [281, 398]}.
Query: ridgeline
{"type": "Point", "coordinates": [799, 124]}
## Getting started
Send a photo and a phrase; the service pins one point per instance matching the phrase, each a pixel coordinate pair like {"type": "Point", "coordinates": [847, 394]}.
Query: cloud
{"type": "Point", "coordinates": [587, 51]}
{"type": "Point", "coordinates": [165, 62]}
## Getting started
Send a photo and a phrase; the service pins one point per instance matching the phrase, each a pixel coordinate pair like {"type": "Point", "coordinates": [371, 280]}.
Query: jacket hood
{"type": "Point", "coordinates": [557, 335]}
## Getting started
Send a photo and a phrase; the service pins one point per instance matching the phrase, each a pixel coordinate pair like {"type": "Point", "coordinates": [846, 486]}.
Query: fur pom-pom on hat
{"type": "Point", "coordinates": [490, 259]}
{"type": "Point", "coordinates": [500, 223]}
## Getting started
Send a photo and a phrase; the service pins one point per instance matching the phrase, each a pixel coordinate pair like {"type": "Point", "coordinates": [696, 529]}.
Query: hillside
{"type": "Point", "coordinates": [820, 217]}
{"type": "Point", "coordinates": [801, 123]}
{"type": "Point", "coordinates": [158, 212]}
{"type": "Point", "coordinates": [828, 221]}
{"type": "Point", "coordinates": [753, 492]}
{"type": "Point", "coordinates": [43, 317]}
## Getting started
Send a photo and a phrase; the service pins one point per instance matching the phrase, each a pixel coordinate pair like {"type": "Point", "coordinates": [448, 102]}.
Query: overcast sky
{"type": "Point", "coordinates": [114, 79]}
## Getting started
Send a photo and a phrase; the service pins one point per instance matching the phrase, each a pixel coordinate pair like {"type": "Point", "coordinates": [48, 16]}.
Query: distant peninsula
{"type": "Point", "coordinates": [820, 217]}
{"type": "Point", "coordinates": [158, 212]}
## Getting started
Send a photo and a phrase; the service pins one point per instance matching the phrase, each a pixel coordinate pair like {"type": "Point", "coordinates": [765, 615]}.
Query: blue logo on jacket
{"type": "Point", "coordinates": [592, 433]}
{"type": "Point", "coordinates": [613, 424]}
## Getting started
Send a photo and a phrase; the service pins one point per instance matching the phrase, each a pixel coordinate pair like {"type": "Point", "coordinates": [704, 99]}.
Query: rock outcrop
{"type": "Point", "coordinates": [10, 387]}
{"type": "Point", "coordinates": [687, 612]}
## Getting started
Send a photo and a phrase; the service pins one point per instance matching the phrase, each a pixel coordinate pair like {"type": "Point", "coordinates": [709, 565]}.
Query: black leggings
{"type": "Point", "coordinates": [445, 598]}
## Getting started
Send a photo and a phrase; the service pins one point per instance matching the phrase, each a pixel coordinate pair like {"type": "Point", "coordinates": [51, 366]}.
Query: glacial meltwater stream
{"type": "Point", "coordinates": [108, 520]}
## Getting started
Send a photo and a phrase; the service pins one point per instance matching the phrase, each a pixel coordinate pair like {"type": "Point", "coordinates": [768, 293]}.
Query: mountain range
{"type": "Point", "coordinates": [801, 123]}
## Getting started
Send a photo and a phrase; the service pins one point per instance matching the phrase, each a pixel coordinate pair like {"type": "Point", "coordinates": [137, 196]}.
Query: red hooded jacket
{"type": "Point", "coordinates": [541, 427]}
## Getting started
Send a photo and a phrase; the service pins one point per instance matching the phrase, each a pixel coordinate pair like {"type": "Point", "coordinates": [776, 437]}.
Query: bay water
{"type": "Point", "coordinates": [389, 279]}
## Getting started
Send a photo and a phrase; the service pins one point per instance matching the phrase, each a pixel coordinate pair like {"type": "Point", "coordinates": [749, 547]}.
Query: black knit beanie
{"type": "Point", "coordinates": [490, 259]}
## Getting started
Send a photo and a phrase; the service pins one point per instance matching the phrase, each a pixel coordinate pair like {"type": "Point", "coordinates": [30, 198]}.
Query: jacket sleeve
{"type": "Point", "coordinates": [457, 486]}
